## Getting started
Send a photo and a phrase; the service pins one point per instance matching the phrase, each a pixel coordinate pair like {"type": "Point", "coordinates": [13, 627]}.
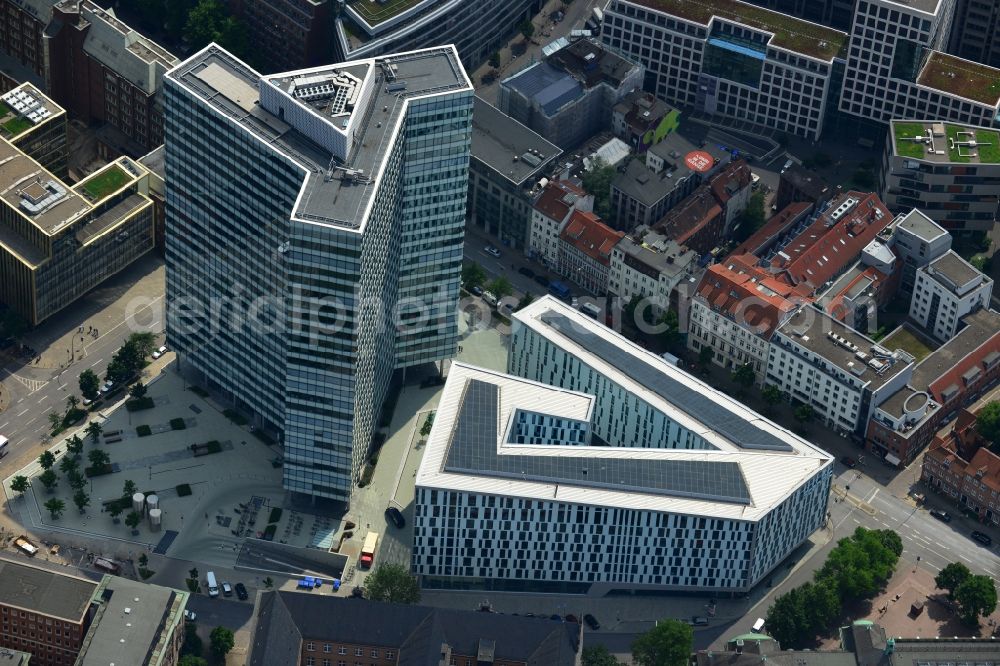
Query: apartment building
{"type": "Point", "coordinates": [507, 172]}
{"type": "Point", "coordinates": [946, 290]}
{"type": "Point", "coordinates": [365, 29]}
{"type": "Point", "coordinates": [917, 240]}
{"type": "Point", "coordinates": [584, 251]}
{"type": "Point", "coordinates": [569, 95]}
{"type": "Point", "coordinates": [290, 34]}
{"type": "Point", "coordinates": [731, 59]}
{"type": "Point", "coordinates": [359, 213]}
{"type": "Point", "coordinates": [896, 67]}
{"type": "Point", "coordinates": [649, 266]}
{"type": "Point", "coordinates": [819, 361]}
{"type": "Point", "coordinates": [618, 470]}
{"type": "Point", "coordinates": [952, 376]}
{"type": "Point", "coordinates": [975, 31]}
{"type": "Point", "coordinates": [641, 120]}
{"type": "Point", "coordinates": [550, 214]}
{"type": "Point", "coordinates": [58, 241]}
{"type": "Point", "coordinates": [950, 172]}
{"type": "Point", "coordinates": [36, 126]}
{"type": "Point", "coordinates": [297, 628]}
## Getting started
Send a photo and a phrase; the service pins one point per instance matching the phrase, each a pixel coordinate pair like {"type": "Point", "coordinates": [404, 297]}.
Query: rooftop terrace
{"type": "Point", "coordinates": [964, 78]}
{"type": "Point", "coordinates": [379, 11]}
{"type": "Point", "coordinates": [958, 144]}
{"type": "Point", "coordinates": [24, 108]}
{"type": "Point", "coordinates": [790, 33]}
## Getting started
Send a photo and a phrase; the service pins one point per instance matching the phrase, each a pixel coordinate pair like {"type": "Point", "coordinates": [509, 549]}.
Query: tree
{"type": "Point", "coordinates": [203, 23]}
{"type": "Point", "coordinates": [268, 583]}
{"type": "Point", "coordinates": [193, 573]}
{"type": "Point", "coordinates": [951, 577]}
{"type": "Point", "coordinates": [669, 643]}
{"type": "Point", "coordinates": [804, 414]}
{"type": "Point", "coordinates": [233, 36]}
{"type": "Point", "coordinates": [133, 519]}
{"type": "Point", "coordinates": [72, 402]}
{"type": "Point", "coordinates": [143, 560]}
{"type": "Point", "coordinates": [94, 430]}
{"type": "Point", "coordinates": [221, 640]}
{"type": "Point", "coordinates": [47, 459]}
{"type": "Point", "coordinates": [138, 391]}
{"type": "Point", "coordinates": [821, 605]}
{"type": "Point", "coordinates": [976, 597]}
{"type": "Point", "coordinates": [891, 541]}
{"type": "Point", "coordinates": [192, 660]}
{"type": "Point", "coordinates": [597, 182]}
{"type": "Point", "coordinates": [495, 59]}
{"type": "Point", "coordinates": [772, 395]}
{"type": "Point", "coordinates": [116, 510]}
{"type": "Point", "coordinates": [392, 582]}
{"type": "Point", "coordinates": [744, 376]}
{"type": "Point", "coordinates": [55, 507]}
{"type": "Point", "coordinates": [988, 421]}
{"type": "Point", "coordinates": [752, 218]}
{"type": "Point", "coordinates": [20, 484]}
{"type": "Point", "coordinates": [130, 489]}
{"type": "Point", "coordinates": [49, 479]}
{"type": "Point", "coordinates": [55, 420]}
{"type": "Point", "coordinates": [786, 620]}
{"type": "Point", "coordinates": [76, 480]}
{"type": "Point", "coordinates": [500, 287]}
{"type": "Point", "coordinates": [527, 28]}
{"type": "Point", "coordinates": [98, 458]}
{"type": "Point", "coordinates": [74, 446]}
{"type": "Point", "coordinates": [671, 328]}
{"type": "Point", "coordinates": [598, 655]}
{"type": "Point", "coordinates": [705, 356]}
{"type": "Point", "coordinates": [90, 385]}
{"type": "Point", "coordinates": [473, 275]}
{"type": "Point", "coordinates": [526, 300]}
{"type": "Point", "coordinates": [68, 464]}
{"type": "Point", "coordinates": [81, 499]}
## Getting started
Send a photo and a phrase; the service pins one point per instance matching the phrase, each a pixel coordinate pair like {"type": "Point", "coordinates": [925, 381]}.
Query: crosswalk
{"type": "Point", "coordinates": [31, 384]}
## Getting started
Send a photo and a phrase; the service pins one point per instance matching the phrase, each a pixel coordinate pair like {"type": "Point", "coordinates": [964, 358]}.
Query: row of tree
{"type": "Point", "coordinates": [124, 366]}
{"type": "Point", "coordinates": [975, 595]}
{"type": "Point", "coordinates": [856, 569]}
{"type": "Point", "coordinates": [669, 643]}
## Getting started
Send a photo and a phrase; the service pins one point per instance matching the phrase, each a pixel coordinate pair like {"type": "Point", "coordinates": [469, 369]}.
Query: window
{"type": "Point", "coordinates": [310, 647]}
{"type": "Point", "coordinates": [310, 661]}
{"type": "Point", "coordinates": [375, 653]}
{"type": "Point", "coordinates": [327, 647]}
{"type": "Point", "coordinates": [359, 652]}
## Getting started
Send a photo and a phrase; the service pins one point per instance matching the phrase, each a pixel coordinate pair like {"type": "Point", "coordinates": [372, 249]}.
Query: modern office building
{"type": "Point", "coordinates": [896, 67]}
{"type": "Point", "coordinates": [507, 171]}
{"type": "Point", "coordinates": [302, 629]}
{"type": "Point", "coordinates": [834, 13]}
{"type": "Point", "coordinates": [950, 172]}
{"type": "Point", "coordinates": [975, 31]}
{"type": "Point", "coordinates": [58, 241]}
{"type": "Point", "coordinates": [946, 290]}
{"type": "Point", "coordinates": [598, 466]}
{"type": "Point", "coordinates": [35, 125]}
{"type": "Point", "coordinates": [323, 213]}
{"type": "Point", "coordinates": [569, 96]}
{"type": "Point", "coordinates": [731, 59]}
{"type": "Point", "coordinates": [367, 29]}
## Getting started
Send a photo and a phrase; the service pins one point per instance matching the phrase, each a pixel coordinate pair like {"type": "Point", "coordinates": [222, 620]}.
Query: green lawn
{"type": "Point", "coordinates": [905, 340]}
{"type": "Point", "coordinates": [105, 183]}
{"type": "Point", "coordinates": [988, 154]}
{"type": "Point", "coordinates": [905, 147]}
{"type": "Point", "coordinates": [16, 125]}
{"type": "Point", "coordinates": [4, 109]}
{"type": "Point", "coordinates": [952, 131]}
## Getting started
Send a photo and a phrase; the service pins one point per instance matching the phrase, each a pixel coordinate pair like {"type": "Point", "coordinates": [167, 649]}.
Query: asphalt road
{"type": "Point", "coordinates": [220, 611]}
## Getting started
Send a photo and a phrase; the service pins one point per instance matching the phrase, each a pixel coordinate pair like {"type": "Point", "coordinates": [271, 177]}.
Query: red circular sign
{"type": "Point", "coordinates": [699, 160]}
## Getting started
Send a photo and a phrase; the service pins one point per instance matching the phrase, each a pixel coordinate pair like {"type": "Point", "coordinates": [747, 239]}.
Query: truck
{"type": "Point", "coordinates": [4, 446]}
{"type": "Point", "coordinates": [368, 550]}
{"type": "Point", "coordinates": [26, 546]}
{"type": "Point", "coordinates": [561, 291]}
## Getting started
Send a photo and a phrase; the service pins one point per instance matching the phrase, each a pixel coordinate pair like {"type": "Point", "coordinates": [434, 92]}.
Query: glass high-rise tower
{"type": "Point", "coordinates": [315, 222]}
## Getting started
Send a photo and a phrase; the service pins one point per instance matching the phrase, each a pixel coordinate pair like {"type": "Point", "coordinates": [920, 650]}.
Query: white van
{"type": "Point", "coordinates": [591, 310]}
{"type": "Point", "coordinates": [213, 586]}
{"type": "Point", "coordinates": [758, 625]}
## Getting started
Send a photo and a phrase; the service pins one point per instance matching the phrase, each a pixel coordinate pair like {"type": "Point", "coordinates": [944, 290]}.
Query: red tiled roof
{"type": "Point", "coordinates": [745, 296]}
{"type": "Point", "coordinates": [828, 245]}
{"type": "Point", "coordinates": [587, 233]}
{"type": "Point", "coordinates": [988, 463]}
{"type": "Point", "coordinates": [689, 216]}
{"type": "Point", "coordinates": [555, 200]}
{"type": "Point", "coordinates": [774, 226]}
{"type": "Point", "coordinates": [835, 306]}
{"type": "Point", "coordinates": [732, 179]}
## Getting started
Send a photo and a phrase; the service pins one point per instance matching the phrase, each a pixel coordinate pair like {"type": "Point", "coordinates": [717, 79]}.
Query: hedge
{"type": "Point", "coordinates": [143, 431]}
{"type": "Point", "coordinates": [275, 515]}
{"type": "Point", "coordinates": [98, 471]}
{"type": "Point", "coordinates": [183, 490]}
{"type": "Point", "coordinates": [178, 424]}
{"type": "Point", "coordinates": [269, 531]}
{"type": "Point", "coordinates": [139, 404]}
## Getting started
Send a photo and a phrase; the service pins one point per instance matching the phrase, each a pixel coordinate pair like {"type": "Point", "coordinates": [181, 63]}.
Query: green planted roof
{"type": "Point", "coordinates": [961, 77]}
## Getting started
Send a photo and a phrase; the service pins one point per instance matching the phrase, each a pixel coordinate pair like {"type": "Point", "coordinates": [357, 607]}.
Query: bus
{"type": "Point", "coordinates": [4, 445]}
{"type": "Point", "coordinates": [368, 550]}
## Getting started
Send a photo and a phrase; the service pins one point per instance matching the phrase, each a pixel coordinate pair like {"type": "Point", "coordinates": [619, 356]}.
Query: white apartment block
{"type": "Point", "coordinates": [895, 67]}
{"type": "Point", "coordinates": [549, 214]}
{"type": "Point", "coordinates": [844, 375]}
{"type": "Point", "coordinates": [917, 240]}
{"type": "Point", "coordinates": [598, 466]}
{"type": "Point", "coordinates": [651, 267]}
{"type": "Point", "coordinates": [946, 290]}
{"type": "Point", "coordinates": [733, 342]}
{"type": "Point", "coordinates": [735, 60]}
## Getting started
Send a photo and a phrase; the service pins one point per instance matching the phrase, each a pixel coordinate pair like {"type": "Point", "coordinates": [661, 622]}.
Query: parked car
{"type": "Point", "coordinates": [572, 618]}
{"type": "Point", "coordinates": [190, 616]}
{"type": "Point", "coordinates": [982, 538]}
{"type": "Point", "coordinates": [943, 516]}
{"type": "Point", "coordinates": [556, 617]}
{"type": "Point", "coordinates": [490, 298]}
{"type": "Point", "coordinates": [490, 250]}
{"type": "Point", "coordinates": [847, 461]}
{"type": "Point", "coordinates": [699, 621]}
{"type": "Point", "coordinates": [227, 589]}
{"type": "Point", "coordinates": [592, 622]}
{"type": "Point", "coordinates": [107, 386]}
{"type": "Point", "coordinates": [526, 272]}
{"type": "Point", "coordinates": [160, 352]}
{"type": "Point", "coordinates": [395, 516]}
{"type": "Point", "coordinates": [241, 591]}
{"type": "Point", "coordinates": [542, 280]}
{"type": "Point", "coordinates": [476, 291]}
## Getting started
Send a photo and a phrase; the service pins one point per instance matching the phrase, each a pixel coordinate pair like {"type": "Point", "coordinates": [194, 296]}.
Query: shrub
{"type": "Point", "coordinates": [214, 447]}
{"type": "Point", "coordinates": [275, 515]}
{"type": "Point", "coordinates": [144, 431]}
{"type": "Point", "coordinates": [98, 471]}
{"type": "Point", "coordinates": [145, 573]}
{"type": "Point", "coordinates": [183, 490]}
{"type": "Point", "coordinates": [178, 424]}
{"type": "Point", "coordinates": [139, 404]}
{"type": "Point", "coordinates": [270, 530]}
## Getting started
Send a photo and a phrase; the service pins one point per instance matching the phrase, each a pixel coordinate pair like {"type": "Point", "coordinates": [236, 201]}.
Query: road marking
{"type": "Point", "coordinates": [5, 424]}
{"type": "Point", "coordinates": [24, 412]}
{"type": "Point", "coordinates": [43, 399]}
{"type": "Point", "coordinates": [873, 495]}
{"type": "Point", "coordinates": [63, 387]}
{"type": "Point", "coordinates": [945, 557]}
{"type": "Point", "coordinates": [96, 362]}
{"type": "Point", "coordinates": [965, 558]}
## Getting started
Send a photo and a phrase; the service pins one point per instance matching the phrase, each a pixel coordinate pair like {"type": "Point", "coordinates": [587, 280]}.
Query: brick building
{"type": "Point", "coordinates": [299, 628]}
{"type": "Point", "coordinates": [585, 246]}
{"type": "Point", "coordinates": [290, 34]}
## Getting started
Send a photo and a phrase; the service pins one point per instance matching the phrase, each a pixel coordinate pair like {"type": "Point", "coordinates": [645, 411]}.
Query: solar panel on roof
{"type": "Point", "coordinates": [715, 416]}
{"type": "Point", "coordinates": [473, 450]}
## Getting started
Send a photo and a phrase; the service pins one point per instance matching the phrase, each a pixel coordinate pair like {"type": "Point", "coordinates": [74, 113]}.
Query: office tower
{"type": "Point", "coordinates": [314, 240]}
{"type": "Point", "coordinates": [834, 13]}
{"type": "Point", "coordinates": [975, 31]}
